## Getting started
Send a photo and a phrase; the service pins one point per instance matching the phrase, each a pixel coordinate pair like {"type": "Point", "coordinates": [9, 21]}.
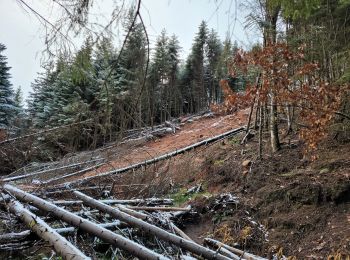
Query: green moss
{"type": "Point", "coordinates": [182, 197]}
{"type": "Point", "coordinates": [234, 140]}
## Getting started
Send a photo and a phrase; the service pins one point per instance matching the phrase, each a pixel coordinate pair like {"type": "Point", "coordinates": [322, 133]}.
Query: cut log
{"type": "Point", "coordinates": [50, 181]}
{"type": "Point", "coordinates": [132, 212]}
{"type": "Point", "coordinates": [157, 159]}
{"type": "Point", "coordinates": [149, 228]}
{"type": "Point", "coordinates": [32, 174]}
{"type": "Point", "coordinates": [84, 224]}
{"type": "Point", "coordinates": [180, 232]}
{"type": "Point", "coordinates": [241, 253]}
{"type": "Point", "coordinates": [148, 201]}
{"type": "Point", "coordinates": [61, 245]}
{"type": "Point", "coordinates": [158, 208]}
{"type": "Point", "coordinates": [13, 237]}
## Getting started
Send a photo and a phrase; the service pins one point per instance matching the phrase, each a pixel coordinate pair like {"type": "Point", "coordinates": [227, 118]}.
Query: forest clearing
{"type": "Point", "coordinates": [122, 141]}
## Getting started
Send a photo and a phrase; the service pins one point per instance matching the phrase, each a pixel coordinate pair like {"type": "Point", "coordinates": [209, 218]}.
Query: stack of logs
{"type": "Point", "coordinates": [152, 217]}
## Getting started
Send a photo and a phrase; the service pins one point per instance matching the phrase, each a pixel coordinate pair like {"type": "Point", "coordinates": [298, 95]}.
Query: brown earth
{"type": "Point", "coordinates": [288, 205]}
{"type": "Point", "coordinates": [190, 133]}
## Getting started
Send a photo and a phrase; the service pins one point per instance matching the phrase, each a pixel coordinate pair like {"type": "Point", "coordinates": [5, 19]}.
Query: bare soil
{"type": "Point", "coordinates": [288, 205]}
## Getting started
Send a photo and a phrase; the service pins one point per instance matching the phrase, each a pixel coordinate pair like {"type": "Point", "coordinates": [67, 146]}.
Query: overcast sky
{"type": "Point", "coordinates": [23, 34]}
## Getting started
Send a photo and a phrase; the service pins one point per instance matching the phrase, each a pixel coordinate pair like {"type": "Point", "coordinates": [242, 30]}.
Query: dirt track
{"type": "Point", "coordinates": [127, 154]}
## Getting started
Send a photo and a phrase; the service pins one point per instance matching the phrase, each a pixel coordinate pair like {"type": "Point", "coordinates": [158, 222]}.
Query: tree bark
{"type": "Point", "coordinates": [61, 245]}
{"type": "Point", "coordinates": [241, 253]}
{"type": "Point", "coordinates": [275, 143]}
{"type": "Point", "coordinates": [162, 234]}
{"type": "Point", "coordinates": [86, 225]}
{"type": "Point", "coordinates": [13, 237]}
{"type": "Point", "coordinates": [260, 131]}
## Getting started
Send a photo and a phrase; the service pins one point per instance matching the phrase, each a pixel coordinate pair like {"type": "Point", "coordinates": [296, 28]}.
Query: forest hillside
{"type": "Point", "coordinates": [125, 148]}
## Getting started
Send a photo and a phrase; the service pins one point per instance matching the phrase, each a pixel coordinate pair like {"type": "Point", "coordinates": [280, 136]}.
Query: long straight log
{"type": "Point", "coordinates": [42, 132]}
{"type": "Point", "coordinates": [72, 174]}
{"type": "Point", "coordinates": [12, 237]}
{"type": "Point", "coordinates": [61, 245]}
{"type": "Point", "coordinates": [157, 159]}
{"type": "Point", "coordinates": [180, 232]}
{"type": "Point", "coordinates": [149, 228]}
{"type": "Point", "coordinates": [158, 208]}
{"type": "Point", "coordinates": [114, 201]}
{"type": "Point", "coordinates": [241, 253]}
{"type": "Point", "coordinates": [32, 174]}
{"type": "Point", "coordinates": [84, 224]}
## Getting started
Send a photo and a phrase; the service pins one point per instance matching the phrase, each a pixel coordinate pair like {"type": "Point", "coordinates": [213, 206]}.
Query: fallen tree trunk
{"type": "Point", "coordinates": [62, 189]}
{"type": "Point", "coordinates": [71, 174]}
{"type": "Point", "coordinates": [61, 245]}
{"type": "Point", "coordinates": [42, 132]}
{"type": "Point", "coordinates": [132, 212]}
{"type": "Point", "coordinates": [13, 237]}
{"type": "Point", "coordinates": [32, 174]}
{"type": "Point", "coordinates": [149, 228]}
{"type": "Point", "coordinates": [84, 224]}
{"type": "Point", "coordinates": [113, 201]}
{"type": "Point", "coordinates": [157, 159]}
{"type": "Point", "coordinates": [241, 253]}
{"type": "Point", "coordinates": [158, 208]}
{"type": "Point", "coordinates": [180, 232]}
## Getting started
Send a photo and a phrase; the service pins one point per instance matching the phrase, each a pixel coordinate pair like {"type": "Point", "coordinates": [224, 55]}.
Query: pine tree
{"type": "Point", "coordinates": [213, 54]}
{"type": "Point", "coordinates": [7, 105]}
{"type": "Point", "coordinates": [198, 48]}
{"type": "Point", "coordinates": [131, 72]}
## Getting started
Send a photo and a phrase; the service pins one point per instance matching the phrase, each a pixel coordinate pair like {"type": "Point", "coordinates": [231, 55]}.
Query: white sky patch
{"type": "Point", "coordinates": [23, 34]}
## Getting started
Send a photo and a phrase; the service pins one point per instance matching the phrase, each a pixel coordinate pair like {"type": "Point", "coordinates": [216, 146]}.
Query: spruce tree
{"type": "Point", "coordinates": [212, 76]}
{"type": "Point", "coordinates": [7, 104]}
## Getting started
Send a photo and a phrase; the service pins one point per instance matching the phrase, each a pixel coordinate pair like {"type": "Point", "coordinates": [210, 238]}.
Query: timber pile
{"type": "Point", "coordinates": [81, 226]}
{"type": "Point", "coordinates": [133, 228]}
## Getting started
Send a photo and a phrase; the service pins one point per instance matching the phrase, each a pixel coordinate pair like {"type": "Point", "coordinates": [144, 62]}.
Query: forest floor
{"type": "Point", "coordinates": [282, 204]}
{"type": "Point", "coordinates": [137, 151]}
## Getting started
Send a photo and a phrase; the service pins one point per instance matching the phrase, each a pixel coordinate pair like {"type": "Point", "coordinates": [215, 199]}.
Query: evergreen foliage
{"type": "Point", "coordinates": [7, 104]}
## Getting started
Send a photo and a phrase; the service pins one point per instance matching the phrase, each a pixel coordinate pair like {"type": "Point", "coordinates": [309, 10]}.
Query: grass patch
{"type": "Point", "coordinates": [182, 196]}
{"type": "Point", "coordinates": [219, 162]}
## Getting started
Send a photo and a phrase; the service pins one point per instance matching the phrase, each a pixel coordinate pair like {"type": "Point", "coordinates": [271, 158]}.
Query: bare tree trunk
{"type": "Point", "coordinates": [289, 119]}
{"type": "Point", "coordinates": [266, 116]}
{"type": "Point", "coordinates": [162, 234]}
{"type": "Point", "coordinates": [61, 245]}
{"type": "Point", "coordinates": [257, 115]}
{"type": "Point", "coordinates": [260, 131]}
{"type": "Point", "coordinates": [275, 143]}
{"type": "Point", "coordinates": [253, 103]}
{"type": "Point", "coordinates": [86, 225]}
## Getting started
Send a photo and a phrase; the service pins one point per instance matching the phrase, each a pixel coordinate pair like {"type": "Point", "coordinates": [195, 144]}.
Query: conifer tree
{"type": "Point", "coordinates": [7, 105]}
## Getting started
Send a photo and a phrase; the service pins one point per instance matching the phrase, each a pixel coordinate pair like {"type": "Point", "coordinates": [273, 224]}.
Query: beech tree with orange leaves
{"type": "Point", "coordinates": [294, 82]}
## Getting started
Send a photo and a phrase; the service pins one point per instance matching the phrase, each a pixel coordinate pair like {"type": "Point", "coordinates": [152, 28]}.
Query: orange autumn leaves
{"type": "Point", "coordinates": [292, 80]}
